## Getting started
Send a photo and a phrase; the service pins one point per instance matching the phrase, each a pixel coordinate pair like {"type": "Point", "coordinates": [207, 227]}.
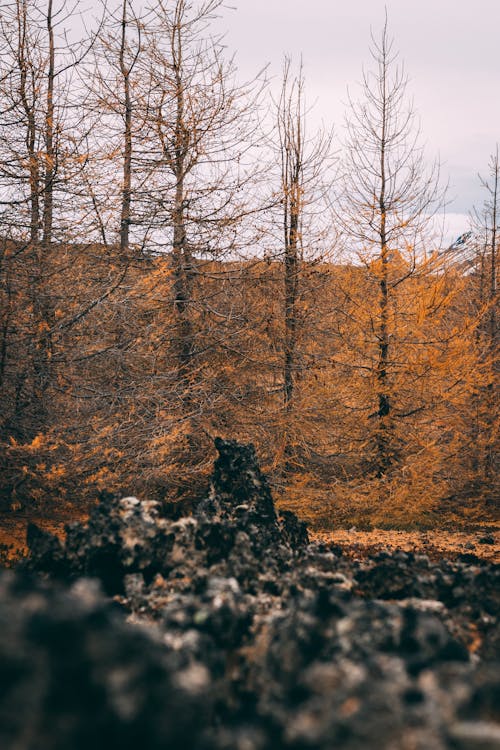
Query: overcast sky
{"type": "Point", "coordinates": [450, 49]}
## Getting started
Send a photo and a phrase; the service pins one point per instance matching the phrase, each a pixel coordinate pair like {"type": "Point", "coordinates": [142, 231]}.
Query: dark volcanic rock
{"type": "Point", "coordinates": [239, 500]}
{"type": "Point", "coordinates": [257, 639]}
{"type": "Point", "coordinates": [235, 525]}
{"type": "Point", "coordinates": [343, 672]}
{"type": "Point", "coordinates": [237, 480]}
{"type": "Point", "coordinates": [74, 675]}
{"type": "Point", "coordinates": [487, 539]}
{"type": "Point", "coordinates": [121, 536]}
{"type": "Point", "coordinates": [46, 549]}
{"type": "Point", "coordinates": [466, 596]}
{"type": "Point", "coordinates": [293, 530]}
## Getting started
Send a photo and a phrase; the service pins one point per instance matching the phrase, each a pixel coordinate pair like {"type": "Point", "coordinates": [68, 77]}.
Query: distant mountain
{"type": "Point", "coordinates": [461, 242]}
{"type": "Point", "coordinates": [463, 250]}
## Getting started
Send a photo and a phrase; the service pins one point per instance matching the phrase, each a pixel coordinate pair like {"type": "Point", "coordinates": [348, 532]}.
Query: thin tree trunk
{"type": "Point", "coordinates": [490, 468]}
{"type": "Point", "coordinates": [39, 219]}
{"type": "Point", "coordinates": [125, 214]}
{"type": "Point", "coordinates": [181, 254]}
{"type": "Point", "coordinates": [493, 261]}
{"type": "Point", "coordinates": [26, 88]}
{"type": "Point", "coordinates": [50, 156]}
{"type": "Point", "coordinates": [292, 155]}
{"type": "Point", "coordinates": [292, 222]}
{"type": "Point", "coordinates": [384, 400]}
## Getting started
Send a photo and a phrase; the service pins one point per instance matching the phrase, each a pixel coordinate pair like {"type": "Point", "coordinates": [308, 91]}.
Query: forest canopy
{"type": "Point", "coordinates": [181, 258]}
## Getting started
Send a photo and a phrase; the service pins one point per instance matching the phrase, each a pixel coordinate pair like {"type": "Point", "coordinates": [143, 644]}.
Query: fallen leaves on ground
{"type": "Point", "coordinates": [484, 544]}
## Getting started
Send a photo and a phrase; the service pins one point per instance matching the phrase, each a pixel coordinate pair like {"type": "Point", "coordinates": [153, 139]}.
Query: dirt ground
{"type": "Point", "coordinates": [484, 544]}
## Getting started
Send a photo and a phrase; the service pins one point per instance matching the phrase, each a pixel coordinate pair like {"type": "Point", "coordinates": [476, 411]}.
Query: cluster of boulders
{"type": "Point", "coordinates": [229, 630]}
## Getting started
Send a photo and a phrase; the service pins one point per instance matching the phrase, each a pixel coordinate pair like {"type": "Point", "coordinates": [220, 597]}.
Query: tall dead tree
{"type": "Point", "coordinates": [304, 175]}
{"type": "Point", "coordinates": [385, 209]}
{"type": "Point", "coordinates": [200, 123]}
{"type": "Point", "coordinates": [126, 69]}
{"type": "Point", "coordinates": [291, 132]}
{"type": "Point", "coordinates": [485, 307]}
{"type": "Point", "coordinates": [492, 211]}
{"type": "Point", "coordinates": [30, 134]}
{"type": "Point", "coordinates": [41, 159]}
{"type": "Point", "coordinates": [192, 167]}
{"type": "Point", "coordinates": [117, 94]}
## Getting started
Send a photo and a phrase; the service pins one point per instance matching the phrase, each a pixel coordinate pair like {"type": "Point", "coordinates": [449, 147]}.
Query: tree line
{"type": "Point", "coordinates": [180, 257]}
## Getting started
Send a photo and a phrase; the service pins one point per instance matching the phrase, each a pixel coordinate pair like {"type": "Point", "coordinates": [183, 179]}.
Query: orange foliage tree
{"type": "Point", "coordinates": [159, 288]}
{"type": "Point", "coordinates": [398, 337]}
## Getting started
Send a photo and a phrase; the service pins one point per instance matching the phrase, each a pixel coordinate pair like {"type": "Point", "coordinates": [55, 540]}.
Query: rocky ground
{"type": "Point", "coordinates": [231, 630]}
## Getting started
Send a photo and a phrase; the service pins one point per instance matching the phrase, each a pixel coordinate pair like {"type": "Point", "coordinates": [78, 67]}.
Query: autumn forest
{"type": "Point", "coordinates": [182, 256]}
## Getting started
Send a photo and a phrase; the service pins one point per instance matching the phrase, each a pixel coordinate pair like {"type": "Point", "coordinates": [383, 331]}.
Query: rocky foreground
{"type": "Point", "coordinates": [228, 630]}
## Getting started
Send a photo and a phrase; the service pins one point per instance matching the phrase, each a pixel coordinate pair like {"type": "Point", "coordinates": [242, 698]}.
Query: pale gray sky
{"type": "Point", "coordinates": [450, 50]}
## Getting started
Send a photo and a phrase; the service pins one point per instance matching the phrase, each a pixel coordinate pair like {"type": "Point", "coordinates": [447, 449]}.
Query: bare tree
{"type": "Point", "coordinates": [202, 125]}
{"type": "Point", "coordinates": [385, 209]}
{"type": "Point", "coordinates": [126, 69]}
{"type": "Point", "coordinates": [40, 157]}
{"type": "Point", "coordinates": [484, 237]}
{"type": "Point", "coordinates": [116, 105]}
{"type": "Point", "coordinates": [489, 259]}
{"type": "Point", "coordinates": [305, 162]}
{"type": "Point", "coordinates": [176, 158]}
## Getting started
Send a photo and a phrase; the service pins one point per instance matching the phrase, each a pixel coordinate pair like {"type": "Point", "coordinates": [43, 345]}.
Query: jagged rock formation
{"type": "Point", "coordinates": [122, 535]}
{"type": "Point", "coordinates": [242, 636]}
{"type": "Point", "coordinates": [235, 526]}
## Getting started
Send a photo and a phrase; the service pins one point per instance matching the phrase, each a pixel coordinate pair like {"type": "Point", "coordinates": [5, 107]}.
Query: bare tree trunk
{"type": "Point", "coordinates": [27, 94]}
{"type": "Point", "coordinates": [384, 400]}
{"type": "Point", "coordinates": [50, 155]}
{"type": "Point", "coordinates": [493, 258]}
{"type": "Point", "coordinates": [181, 255]}
{"type": "Point", "coordinates": [42, 300]}
{"type": "Point", "coordinates": [304, 163]}
{"type": "Point", "coordinates": [125, 214]}
{"type": "Point", "coordinates": [291, 294]}
{"type": "Point", "coordinates": [292, 155]}
{"type": "Point", "coordinates": [6, 308]}
{"type": "Point", "coordinates": [490, 469]}
{"type": "Point", "coordinates": [388, 197]}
